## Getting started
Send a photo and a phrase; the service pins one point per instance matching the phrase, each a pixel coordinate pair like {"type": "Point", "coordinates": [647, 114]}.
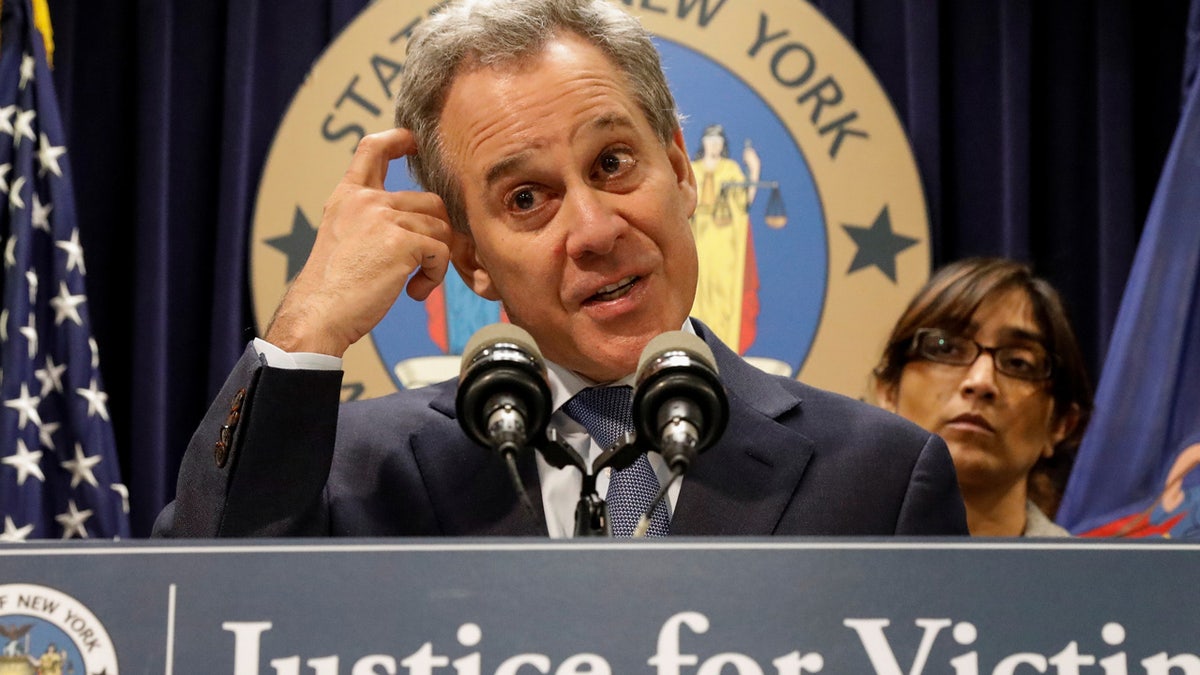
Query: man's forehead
{"type": "Point", "coordinates": [500, 118]}
{"type": "Point", "coordinates": [602, 123]}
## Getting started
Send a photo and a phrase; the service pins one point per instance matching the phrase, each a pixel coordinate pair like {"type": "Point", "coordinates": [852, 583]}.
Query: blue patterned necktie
{"type": "Point", "coordinates": [606, 412]}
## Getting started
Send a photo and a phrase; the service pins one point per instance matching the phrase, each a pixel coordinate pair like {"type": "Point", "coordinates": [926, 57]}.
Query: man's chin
{"type": "Point", "coordinates": [605, 359]}
{"type": "Point", "coordinates": [606, 351]}
{"type": "Point", "coordinates": [609, 367]}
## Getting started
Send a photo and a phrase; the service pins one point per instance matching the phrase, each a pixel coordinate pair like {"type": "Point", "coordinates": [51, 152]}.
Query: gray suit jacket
{"type": "Point", "coordinates": [277, 456]}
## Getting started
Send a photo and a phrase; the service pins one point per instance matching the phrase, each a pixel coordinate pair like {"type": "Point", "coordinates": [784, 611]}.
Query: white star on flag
{"type": "Point", "coordinates": [51, 368]}
{"type": "Point", "coordinates": [13, 534]}
{"type": "Point", "coordinates": [50, 376]}
{"type": "Point", "coordinates": [15, 202]}
{"type": "Point", "coordinates": [41, 214]}
{"type": "Point", "coordinates": [96, 400]}
{"type": "Point", "coordinates": [6, 119]}
{"type": "Point", "coordinates": [27, 69]}
{"type": "Point", "coordinates": [24, 126]}
{"type": "Point", "coordinates": [72, 521]}
{"type": "Point", "coordinates": [65, 305]}
{"type": "Point", "coordinates": [29, 330]}
{"type": "Point", "coordinates": [48, 156]}
{"type": "Point", "coordinates": [46, 434]}
{"type": "Point", "coordinates": [81, 467]}
{"type": "Point", "coordinates": [26, 407]}
{"type": "Point", "coordinates": [48, 365]}
{"type": "Point", "coordinates": [26, 463]}
{"type": "Point", "coordinates": [123, 492]}
{"type": "Point", "coordinates": [74, 252]}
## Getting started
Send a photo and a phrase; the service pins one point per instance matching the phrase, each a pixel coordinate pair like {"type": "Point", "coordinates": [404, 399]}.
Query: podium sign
{"type": "Point", "coordinates": [520, 607]}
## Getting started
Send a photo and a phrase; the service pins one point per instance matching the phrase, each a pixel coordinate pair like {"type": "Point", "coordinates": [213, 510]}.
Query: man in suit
{"type": "Point", "coordinates": [557, 183]}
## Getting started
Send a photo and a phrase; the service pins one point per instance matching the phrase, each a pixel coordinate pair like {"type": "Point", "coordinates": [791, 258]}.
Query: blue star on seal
{"type": "Point", "coordinates": [877, 245]}
{"type": "Point", "coordinates": [297, 244]}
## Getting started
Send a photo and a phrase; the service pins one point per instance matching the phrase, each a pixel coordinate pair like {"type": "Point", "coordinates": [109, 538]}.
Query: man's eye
{"type": "Point", "coordinates": [613, 163]}
{"type": "Point", "coordinates": [524, 199]}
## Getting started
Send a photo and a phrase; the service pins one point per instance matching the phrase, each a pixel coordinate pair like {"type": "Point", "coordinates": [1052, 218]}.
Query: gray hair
{"type": "Point", "coordinates": [470, 33]}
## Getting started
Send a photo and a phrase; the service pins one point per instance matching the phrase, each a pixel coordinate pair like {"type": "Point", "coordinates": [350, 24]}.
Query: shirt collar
{"type": "Point", "coordinates": [566, 383]}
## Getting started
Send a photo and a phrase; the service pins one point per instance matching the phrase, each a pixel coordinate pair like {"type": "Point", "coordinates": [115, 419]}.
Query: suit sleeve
{"type": "Point", "coordinates": [258, 463]}
{"type": "Point", "coordinates": [933, 504]}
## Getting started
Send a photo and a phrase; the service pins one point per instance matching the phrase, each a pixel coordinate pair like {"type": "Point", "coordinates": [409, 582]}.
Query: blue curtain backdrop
{"type": "Point", "coordinates": [1039, 128]}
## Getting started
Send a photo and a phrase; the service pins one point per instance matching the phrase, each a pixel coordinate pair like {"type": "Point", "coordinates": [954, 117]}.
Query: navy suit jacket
{"type": "Point", "coordinates": [277, 456]}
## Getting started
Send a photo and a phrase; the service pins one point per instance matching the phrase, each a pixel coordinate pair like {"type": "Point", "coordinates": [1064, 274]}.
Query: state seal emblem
{"type": "Point", "coordinates": [46, 632]}
{"type": "Point", "coordinates": [812, 227]}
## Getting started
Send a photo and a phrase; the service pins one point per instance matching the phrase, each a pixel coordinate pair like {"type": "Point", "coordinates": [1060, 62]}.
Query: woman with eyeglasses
{"type": "Point", "coordinates": [985, 357]}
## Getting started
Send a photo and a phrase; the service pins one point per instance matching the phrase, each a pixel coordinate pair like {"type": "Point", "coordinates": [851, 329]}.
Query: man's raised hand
{"type": "Point", "coordinates": [371, 244]}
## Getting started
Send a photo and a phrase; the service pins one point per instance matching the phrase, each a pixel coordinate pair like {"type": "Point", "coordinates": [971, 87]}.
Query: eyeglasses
{"type": "Point", "coordinates": [1024, 362]}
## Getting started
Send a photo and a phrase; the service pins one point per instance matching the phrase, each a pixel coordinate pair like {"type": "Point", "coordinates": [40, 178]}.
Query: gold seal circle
{"type": "Point", "coordinates": [68, 615]}
{"type": "Point", "coordinates": [785, 50]}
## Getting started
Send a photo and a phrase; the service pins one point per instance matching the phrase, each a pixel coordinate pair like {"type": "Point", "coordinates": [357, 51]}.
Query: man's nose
{"type": "Point", "coordinates": [594, 225]}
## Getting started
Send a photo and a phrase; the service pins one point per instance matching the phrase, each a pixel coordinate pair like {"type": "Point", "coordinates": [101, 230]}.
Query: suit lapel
{"type": "Point", "coordinates": [740, 486]}
{"type": "Point", "coordinates": [469, 486]}
{"type": "Point", "coordinates": [743, 484]}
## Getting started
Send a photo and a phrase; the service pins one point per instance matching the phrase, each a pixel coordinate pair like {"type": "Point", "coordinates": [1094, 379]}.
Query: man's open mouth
{"type": "Point", "coordinates": [614, 291]}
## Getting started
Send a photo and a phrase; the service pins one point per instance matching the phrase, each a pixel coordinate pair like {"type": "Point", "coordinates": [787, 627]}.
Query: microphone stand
{"type": "Point", "coordinates": [591, 512]}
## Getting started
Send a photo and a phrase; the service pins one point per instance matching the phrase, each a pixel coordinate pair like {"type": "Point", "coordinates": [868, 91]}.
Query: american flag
{"type": "Point", "coordinates": [59, 473]}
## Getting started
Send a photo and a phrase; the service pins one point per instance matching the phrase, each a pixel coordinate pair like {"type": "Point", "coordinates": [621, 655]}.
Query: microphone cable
{"type": "Point", "coordinates": [643, 525]}
{"type": "Point", "coordinates": [503, 396]}
{"type": "Point", "coordinates": [509, 452]}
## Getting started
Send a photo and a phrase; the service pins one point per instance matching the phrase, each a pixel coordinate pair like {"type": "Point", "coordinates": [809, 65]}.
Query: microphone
{"type": "Point", "coordinates": [503, 397]}
{"type": "Point", "coordinates": [679, 404]}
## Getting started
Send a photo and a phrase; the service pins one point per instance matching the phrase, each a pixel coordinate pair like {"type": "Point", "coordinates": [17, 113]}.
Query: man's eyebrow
{"type": "Point", "coordinates": [610, 121]}
{"type": "Point", "coordinates": [506, 166]}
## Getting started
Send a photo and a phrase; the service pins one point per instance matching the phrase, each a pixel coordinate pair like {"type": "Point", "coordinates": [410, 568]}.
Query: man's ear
{"type": "Point", "coordinates": [473, 273]}
{"type": "Point", "coordinates": [682, 164]}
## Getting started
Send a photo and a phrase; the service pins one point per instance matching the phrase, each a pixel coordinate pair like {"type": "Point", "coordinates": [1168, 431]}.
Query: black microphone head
{"type": "Point", "coordinates": [501, 365]}
{"type": "Point", "coordinates": [676, 343]}
{"type": "Point", "coordinates": [679, 366]}
{"type": "Point", "coordinates": [498, 335]}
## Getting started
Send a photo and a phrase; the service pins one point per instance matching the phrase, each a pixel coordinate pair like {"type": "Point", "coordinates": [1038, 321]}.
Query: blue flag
{"type": "Point", "coordinates": [1138, 470]}
{"type": "Point", "coordinates": [59, 473]}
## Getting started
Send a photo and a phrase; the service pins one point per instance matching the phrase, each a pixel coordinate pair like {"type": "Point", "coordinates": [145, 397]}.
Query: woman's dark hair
{"type": "Point", "coordinates": [948, 301]}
